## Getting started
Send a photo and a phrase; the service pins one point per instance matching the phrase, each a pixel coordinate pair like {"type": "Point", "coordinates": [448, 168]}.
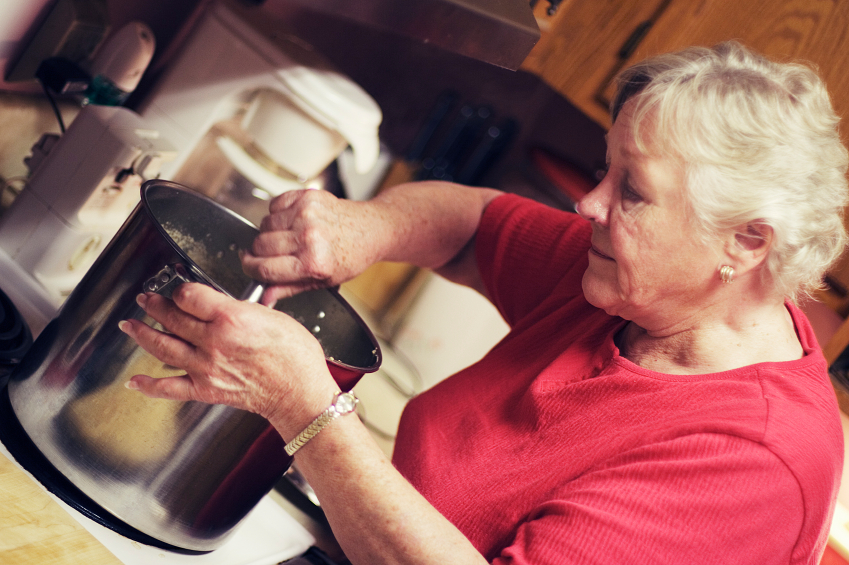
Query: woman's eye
{"type": "Point", "coordinates": [629, 195]}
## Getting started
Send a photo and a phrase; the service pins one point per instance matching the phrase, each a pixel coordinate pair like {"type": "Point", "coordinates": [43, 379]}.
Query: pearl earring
{"type": "Point", "coordinates": [726, 273]}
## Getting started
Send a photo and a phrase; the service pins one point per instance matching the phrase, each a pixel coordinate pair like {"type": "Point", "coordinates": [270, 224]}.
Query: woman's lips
{"type": "Point", "coordinates": [598, 253]}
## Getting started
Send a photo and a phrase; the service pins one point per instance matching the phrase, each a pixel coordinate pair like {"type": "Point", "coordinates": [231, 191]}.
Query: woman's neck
{"type": "Point", "coordinates": [712, 345]}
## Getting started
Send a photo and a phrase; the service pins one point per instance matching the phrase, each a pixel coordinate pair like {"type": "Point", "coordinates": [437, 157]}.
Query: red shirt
{"type": "Point", "coordinates": [554, 449]}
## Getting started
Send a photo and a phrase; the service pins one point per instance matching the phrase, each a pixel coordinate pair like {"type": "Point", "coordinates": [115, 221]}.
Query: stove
{"type": "Point", "coordinates": [25, 309]}
{"type": "Point", "coordinates": [25, 296]}
{"type": "Point", "coordinates": [15, 335]}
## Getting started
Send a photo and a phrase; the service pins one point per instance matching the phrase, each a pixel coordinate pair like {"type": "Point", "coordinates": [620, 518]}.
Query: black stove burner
{"type": "Point", "coordinates": [25, 452]}
{"type": "Point", "coordinates": [15, 336]}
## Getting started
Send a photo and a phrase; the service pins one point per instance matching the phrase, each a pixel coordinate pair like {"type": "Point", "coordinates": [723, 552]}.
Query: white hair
{"type": "Point", "coordinates": [761, 145]}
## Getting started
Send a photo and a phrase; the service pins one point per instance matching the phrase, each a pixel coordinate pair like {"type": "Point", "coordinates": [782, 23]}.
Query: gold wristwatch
{"type": "Point", "coordinates": [343, 403]}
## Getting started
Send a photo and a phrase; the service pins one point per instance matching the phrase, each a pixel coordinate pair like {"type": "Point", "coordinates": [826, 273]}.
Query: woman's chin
{"type": "Point", "coordinates": [600, 295]}
{"type": "Point", "coordinates": [597, 291]}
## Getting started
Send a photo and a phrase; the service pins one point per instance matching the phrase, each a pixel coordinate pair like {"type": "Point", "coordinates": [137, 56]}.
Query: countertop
{"type": "Point", "coordinates": [37, 527]}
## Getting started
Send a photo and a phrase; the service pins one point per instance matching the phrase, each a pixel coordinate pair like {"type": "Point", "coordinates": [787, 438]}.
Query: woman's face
{"type": "Point", "coordinates": [646, 263]}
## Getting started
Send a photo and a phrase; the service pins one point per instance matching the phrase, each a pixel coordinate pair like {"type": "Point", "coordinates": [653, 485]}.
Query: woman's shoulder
{"type": "Point", "coordinates": [526, 249]}
{"type": "Point", "coordinates": [803, 425]}
{"type": "Point", "coordinates": [800, 397]}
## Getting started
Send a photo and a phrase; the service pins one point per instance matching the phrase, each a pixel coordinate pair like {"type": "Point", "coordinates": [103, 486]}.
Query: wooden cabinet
{"type": "Point", "coordinates": [587, 42]}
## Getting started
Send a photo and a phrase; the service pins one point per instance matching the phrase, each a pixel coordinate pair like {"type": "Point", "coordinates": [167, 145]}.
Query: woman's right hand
{"type": "Point", "coordinates": [310, 239]}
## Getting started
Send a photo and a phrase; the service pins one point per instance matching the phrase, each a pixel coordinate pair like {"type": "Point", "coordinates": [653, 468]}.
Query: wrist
{"type": "Point", "coordinates": [290, 411]}
{"type": "Point", "coordinates": [343, 403]}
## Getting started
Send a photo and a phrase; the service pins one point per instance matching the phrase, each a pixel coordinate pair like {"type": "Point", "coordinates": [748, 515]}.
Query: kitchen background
{"type": "Point", "coordinates": [547, 148]}
{"type": "Point", "coordinates": [548, 145]}
{"type": "Point", "coordinates": [404, 76]}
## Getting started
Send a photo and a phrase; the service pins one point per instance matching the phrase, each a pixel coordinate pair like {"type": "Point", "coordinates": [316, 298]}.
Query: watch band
{"type": "Point", "coordinates": [343, 403]}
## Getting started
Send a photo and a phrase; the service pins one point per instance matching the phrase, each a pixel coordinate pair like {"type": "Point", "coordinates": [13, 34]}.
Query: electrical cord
{"type": "Point", "coordinates": [58, 75]}
{"type": "Point", "coordinates": [54, 106]}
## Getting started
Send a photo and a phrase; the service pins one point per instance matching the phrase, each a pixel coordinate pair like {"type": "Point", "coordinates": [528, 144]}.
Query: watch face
{"type": "Point", "coordinates": [345, 403]}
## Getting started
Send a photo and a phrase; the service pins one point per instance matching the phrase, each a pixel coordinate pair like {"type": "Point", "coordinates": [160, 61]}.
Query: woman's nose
{"type": "Point", "coordinates": [596, 204]}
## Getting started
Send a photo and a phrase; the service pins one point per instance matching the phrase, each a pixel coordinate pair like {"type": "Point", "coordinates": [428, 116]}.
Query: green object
{"type": "Point", "coordinates": [103, 92]}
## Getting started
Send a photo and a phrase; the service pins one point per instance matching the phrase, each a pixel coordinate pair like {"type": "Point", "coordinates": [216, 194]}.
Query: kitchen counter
{"type": "Point", "coordinates": [37, 527]}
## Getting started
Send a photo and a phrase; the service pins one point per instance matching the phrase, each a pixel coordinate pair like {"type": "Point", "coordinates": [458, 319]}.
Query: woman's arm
{"type": "Point", "coordinates": [311, 239]}
{"type": "Point", "coordinates": [258, 359]}
{"type": "Point", "coordinates": [376, 515]}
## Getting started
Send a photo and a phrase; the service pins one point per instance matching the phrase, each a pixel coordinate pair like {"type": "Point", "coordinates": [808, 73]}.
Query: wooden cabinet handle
{"type": "Point", "coordinates": [634, 39]}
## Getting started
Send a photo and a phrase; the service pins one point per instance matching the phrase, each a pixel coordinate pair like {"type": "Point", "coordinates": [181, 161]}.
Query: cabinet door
{"type": "Point", "coordinates": [585, 44]}
{"type": "Point", "coordinates": [588, 41]}
{"type": "Point", "coordinates": [810, 30]}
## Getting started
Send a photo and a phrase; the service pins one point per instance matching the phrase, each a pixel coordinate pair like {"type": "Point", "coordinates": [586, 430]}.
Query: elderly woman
{"type": "Point", "coordinates": [660, 398]}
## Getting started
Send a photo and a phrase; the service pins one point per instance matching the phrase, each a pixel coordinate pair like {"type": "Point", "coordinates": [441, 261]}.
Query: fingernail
{"type": "Point", "coordinates": [132, 385]}
{"type": "Point", "coordinates": [141, 300]}
{"type": "Point", "coordinates": [124, 326]}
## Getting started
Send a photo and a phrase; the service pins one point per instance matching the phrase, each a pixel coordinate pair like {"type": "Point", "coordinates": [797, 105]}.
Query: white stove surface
{"type": "Point", "coordinates": [32, 301]}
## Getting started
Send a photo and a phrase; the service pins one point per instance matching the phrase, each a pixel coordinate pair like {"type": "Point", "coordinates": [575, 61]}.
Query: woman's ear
{"type": "Point", "coordinates": [752, 242]}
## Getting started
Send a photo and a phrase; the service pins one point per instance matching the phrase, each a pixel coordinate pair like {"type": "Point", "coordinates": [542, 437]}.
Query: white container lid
{"type": "Point", "coordinates": [289, 136]}
{"type": "Point", "coordinates": [339, 104]}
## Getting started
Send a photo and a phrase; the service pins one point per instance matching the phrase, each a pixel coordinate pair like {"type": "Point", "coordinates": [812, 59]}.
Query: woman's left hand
{"type": "Point", "coordinates": [245, 355]}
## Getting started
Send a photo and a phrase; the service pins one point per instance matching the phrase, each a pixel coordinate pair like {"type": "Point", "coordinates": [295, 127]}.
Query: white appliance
{"type": "Point", "coordinates": [447, 328]}
{"type": "Point", "coordinates": [254, 116]}
{"type": "Point", "coordinates": [83, 186]}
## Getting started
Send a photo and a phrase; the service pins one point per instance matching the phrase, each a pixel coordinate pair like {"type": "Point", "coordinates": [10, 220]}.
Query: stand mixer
{"type": "Point", "coordinates": [82, 188]}
{"type": "Point", "coordinates": [251, 119]}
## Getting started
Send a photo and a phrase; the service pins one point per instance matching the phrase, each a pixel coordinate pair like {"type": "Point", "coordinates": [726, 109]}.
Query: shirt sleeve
{"type": "Point", "coordinates": [705, 498]}
{"type": "Point", "coordinates": [525, 250]}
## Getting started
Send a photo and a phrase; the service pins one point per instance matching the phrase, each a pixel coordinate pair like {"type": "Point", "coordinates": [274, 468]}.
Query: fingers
{"type": "Point", "coordinates": [277, 221]}
{"type": "Point", "coordinates": [275, 270]}
{"type": "Point", "coordinates": [298, 243]}
{"type": "Point", "coordinates": [284, 210]}
{"type": "Point", "coordinates": [201, 302]}
{"type": "Point", "coordinates": [175, 320]}
{"type": "Point", "coordinates": [172, 388]}
{"type": "Point", "coordinates": [286, 200]}
{"type": "Point", "coordinates": [272, 243]}
{"type": "Point", "coordinates": [185, 317]}
{"type": "Point", "coordinates": [290, 207]}
{"type": "Point", "coordinates": [167, 348]}
{"type": "Point", "coordinates": [277, 292]}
